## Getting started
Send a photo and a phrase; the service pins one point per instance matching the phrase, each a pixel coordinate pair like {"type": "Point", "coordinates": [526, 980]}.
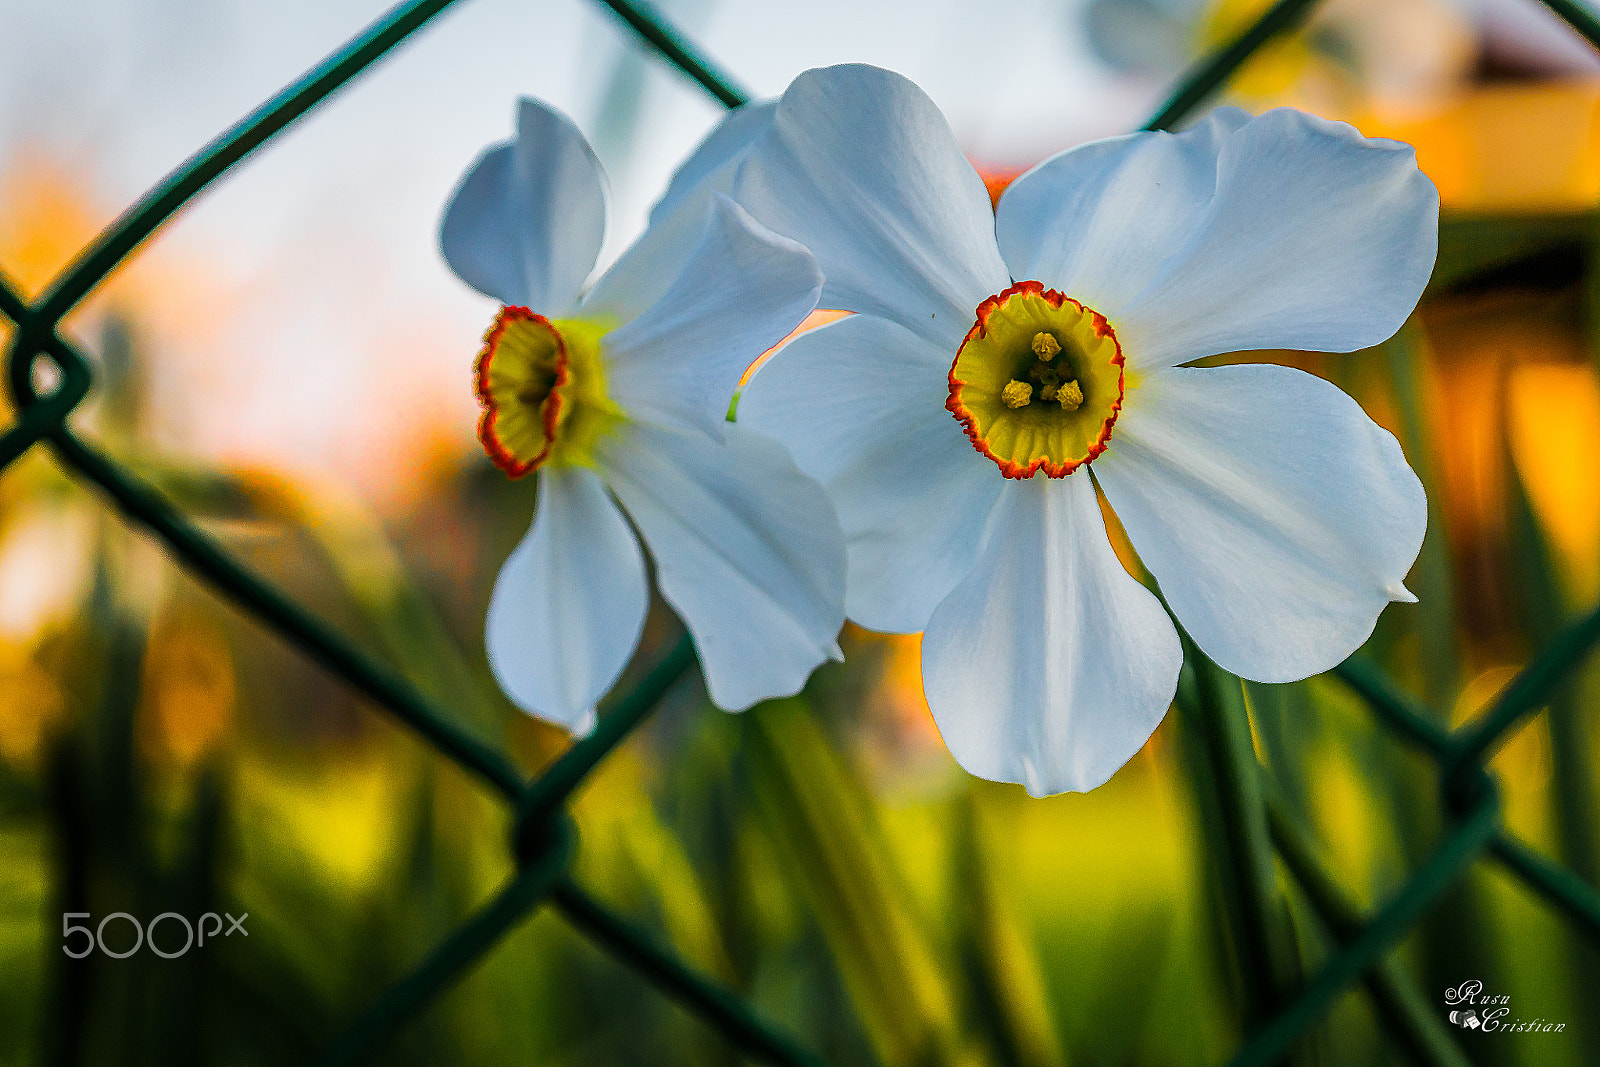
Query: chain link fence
{"type": "Point", "coordinates": [1260, 831]}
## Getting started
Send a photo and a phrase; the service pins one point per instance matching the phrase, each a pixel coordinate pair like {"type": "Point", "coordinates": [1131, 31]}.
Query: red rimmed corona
{"type": "Point", "coordinates": [1038, 382]}
{"type": "Point", "coordinates": [542, 385]}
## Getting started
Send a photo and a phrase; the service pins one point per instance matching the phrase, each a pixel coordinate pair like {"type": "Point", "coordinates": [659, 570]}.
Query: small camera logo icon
{"type": "Point", "coordinates": [1467, 1018]}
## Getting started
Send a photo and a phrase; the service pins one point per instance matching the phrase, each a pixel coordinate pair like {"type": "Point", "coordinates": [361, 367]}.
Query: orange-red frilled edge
{"type": "Point", "coordinates": [1102, 329]}
{"type": "Point", "coordinates": [550, 411]}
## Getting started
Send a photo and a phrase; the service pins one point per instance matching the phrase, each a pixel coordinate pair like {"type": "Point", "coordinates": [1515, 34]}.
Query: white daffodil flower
{"type": "Point", "coordinates": [1005, 362]}
{"type": "Point", "coordinates": [618, 395]}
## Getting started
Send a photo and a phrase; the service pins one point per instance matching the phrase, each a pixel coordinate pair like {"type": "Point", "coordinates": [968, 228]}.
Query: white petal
{"type": "Point", "coordinates": [861, 168]}
{"type": "Point", "coordinates": [1098, 221]}
{"type": "Point", "coordinates": [744, 290]}
{"type": "Point", "coordinates": [1277, 517]}
{"type": "Point", "coordinates": [526, 223]}
{"type": "Point", "coordinates": [711, 165]}
{"type": "Point", "coordinates": [1317, 238]}
{"type": "Point", "coordinates": [569, 603]}
{"type": "Point", "coordinates": [1048, 665]}
{"type": "Point", "coordinates": [747, 551]}
{"type": "Point", "coordinates": [859, 404]}
{"type": "Point", "coordinates": [640, 276]}
{"type": "Point", "coordinates": [477, 236]}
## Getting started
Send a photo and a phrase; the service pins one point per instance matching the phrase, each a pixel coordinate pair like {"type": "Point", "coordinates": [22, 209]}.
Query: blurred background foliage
{"type": "Point", "coordinates": [161, 752]}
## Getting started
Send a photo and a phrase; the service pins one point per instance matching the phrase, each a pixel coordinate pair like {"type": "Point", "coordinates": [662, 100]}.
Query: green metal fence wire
{"type": "Point", "coordinates": [1260, 831]}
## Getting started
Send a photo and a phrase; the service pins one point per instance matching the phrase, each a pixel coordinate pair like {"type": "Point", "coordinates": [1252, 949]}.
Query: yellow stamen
{"type": "Point", "coordinates": [1070, 395]}
{"type": "Point", "coordinates": [1016, 394]}
{"type": "Point", "coordinates": [1038, 382]}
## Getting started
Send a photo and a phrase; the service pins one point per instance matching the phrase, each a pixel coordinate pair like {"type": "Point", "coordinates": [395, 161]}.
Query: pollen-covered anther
{"type": "Point", "coordinates": [1038, 382]}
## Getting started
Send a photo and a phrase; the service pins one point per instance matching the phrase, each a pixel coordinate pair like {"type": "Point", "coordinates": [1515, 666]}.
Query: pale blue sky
{"type": "Point", "coordinates": [325, 241]}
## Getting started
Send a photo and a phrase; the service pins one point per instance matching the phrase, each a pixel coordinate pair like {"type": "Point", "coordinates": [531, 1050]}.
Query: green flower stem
{"type": "Point", "coordinates": [1204, 79]}
{"type": "Point", "coordinates": [1576, 899]}
{"type": "Point", "coordinates": [449, 962]}
{"type": "Point", "coordinates": [721, 1009]}
{"type": "Point", "coordinates": [1528, 691]}
{"type": "Point", "coordinates": [145, 506]}
{"type": "Point", "coordinates": [255, 129]}
{"type": "Point", "coordinates": [1247, 867]}
{"type": "Point", "coordinates": [1436, 627]}
{"type": "Point", "coordinates": [1465, 843]}
{"type": "Point", "coordinates": [545, 796]}
{"type": "Point", "coordinates": [678, 50]}
{"type": "Point", "coordinates": [1397, 711]}
{"type": "Point", "coordinates": [1401, 1005]}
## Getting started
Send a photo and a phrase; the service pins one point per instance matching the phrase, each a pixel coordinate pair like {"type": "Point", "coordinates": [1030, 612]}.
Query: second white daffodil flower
{"type": "Point", "coordinates": [1000, 359]}
{"type": "Point", "coordinates": [617, 395]}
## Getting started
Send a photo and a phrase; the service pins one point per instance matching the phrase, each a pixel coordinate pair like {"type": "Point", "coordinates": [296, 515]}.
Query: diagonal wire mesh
{"type": "Point", "coordinates": [1260, 830]}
